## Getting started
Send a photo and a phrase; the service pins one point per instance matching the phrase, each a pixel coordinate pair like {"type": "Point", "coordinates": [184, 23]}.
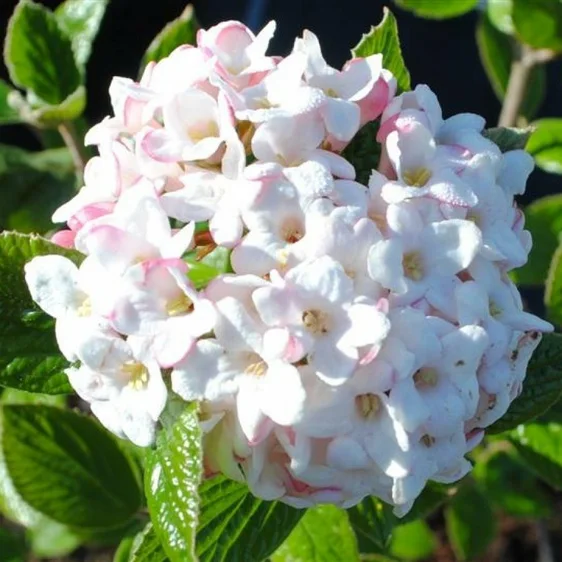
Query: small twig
{"type": "Point", "coordinates": [76, 147]}
{"type": "Point", "coordinates": [546, 554]}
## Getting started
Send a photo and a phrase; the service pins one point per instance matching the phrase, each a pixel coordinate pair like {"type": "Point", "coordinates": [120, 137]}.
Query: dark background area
{"type": "Point", "coordinates": [442, 54]}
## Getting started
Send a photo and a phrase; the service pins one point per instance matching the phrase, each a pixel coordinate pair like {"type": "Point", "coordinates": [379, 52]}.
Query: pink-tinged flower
{"type": "Point", "coordinates": [315, 302]}
{"type": "Point", "coordinates": [127, 396]}
{"type": "Point", "coordinates": [237, 55]}
{"type": "Point", "coordinates": [160, 307]}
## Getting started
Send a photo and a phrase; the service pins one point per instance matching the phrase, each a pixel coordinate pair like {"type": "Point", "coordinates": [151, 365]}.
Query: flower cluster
{"type": "Point", "coordinates": [365, 336]}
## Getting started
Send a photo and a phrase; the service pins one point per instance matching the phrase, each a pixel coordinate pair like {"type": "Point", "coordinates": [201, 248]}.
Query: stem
{"type": "Point", "coordinates": [72, 141]}
{"type": "Point", "coordinates": [517, 86]}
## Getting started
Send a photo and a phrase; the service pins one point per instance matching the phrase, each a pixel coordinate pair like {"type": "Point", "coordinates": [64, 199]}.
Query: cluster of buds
{"type": "Point", "coordinates": [365, 335]}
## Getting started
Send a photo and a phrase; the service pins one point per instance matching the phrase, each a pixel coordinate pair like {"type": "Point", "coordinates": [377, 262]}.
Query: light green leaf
{"type": "Point", "coordinates": [470, 522]}
{"type": "Point", "coordinates": [438, 9]}
{"type": "Point", "coordinates": [383, 38]}
{"type": "Point", "coordinates": [363, 152]}
{"type": "Point", "coordinates": [499, 12]}
{"type": "Point", "coordinates": [540, 447]}
{"type": "Point", "coordinates": [39, 55]}
{"type": "Point", "coordinates": [496, 53]}
{"type": "Point", "coordinates": [30, 357]}
{"type": "Point", "coordinates": [538, 23]}
{"type": "Point", "coordinates": [541, 389]}
{"type": "Point", "coordinates": [124, 549]}
{"type": "Point", "coordinates": [181, 31]}
{"type": "Point", "coordinates": [508, 138]}
{"type": "Point", "coordinates": [545, 145]}
{"type": "Point", "coordinates": [52, 115]}
{"type": "Point", "coordinates": [8, 115]}
{"type": "Point", "coordinates": [81, 20]}
{"type": "Point", "coordinates": [67, 467]}
{"type": "Point", "coordinates": [172, 475]}
{"type": "Point", "coordinates": [50, 539]}
{"type": "Point", "coordinates": [543, 218]}
{"type": "Point", "coordinates": [322, 535]}
{"type": "Point", "coordinates": [373, 522]}
{"type": "Point", "coordinates": [235, 526]}
{"type": "Point", "coordinates": [510, 486]}
{"type": "Point", "coordinates": [413, 541]}
{"type": "Point", "coordinates": [202, 272]}
{"type": "Point", "coordinates": [12, 547]}
{"type": "Point", "coordinates": [553, 288]}
{"type": "Point", "coordinates": [147, 548]}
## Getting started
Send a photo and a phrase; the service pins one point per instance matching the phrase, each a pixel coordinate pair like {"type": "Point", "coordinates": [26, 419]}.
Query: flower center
{"type": "Point", "coordinates": [474, 217]}
{"type": "Point", "coordinates": [495, 310]}
{"type": "Point", "coordinates": [292, 231]}
{"type": "Point", "coordinates": [331, 93]}
{"type": "Point", "coordinates": [85, 309]}
{"type": "Point", "coordinates": [412, 263]}
{"type": "Point", "coordinates": [257, 368]}
{"type": "Point", "coordinates": [427, 440]}
{"type": "Point", "coordinates": [203, 131]}
{"type": "Point", "coordinates": [138, 374]}
{"type": "Point", "coordinates": [316, 321]}
{"type": "Point", "coordinates": [368, 405]}
{"type": "Point", "coordinates": [416, 177]}
{"type": "Point", "coordinates": [426, 378]}
{"type": "Point", "coordinates": [178, 306]}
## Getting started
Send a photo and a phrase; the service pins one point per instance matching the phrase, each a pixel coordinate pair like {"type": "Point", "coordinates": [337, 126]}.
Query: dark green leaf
{"type": "Point", "coordinates": [363, 152]}
{"type": "Point", "coordinates": [538, 23]}
{"type": "Point", "coordinates": [438, 9]}
{"type": "Point", "coordinates": [180, 31]}
{"type": "Point", "coordinates": [30, 357]}
{"type": "Point", "coordinates": [496, 54]}
{"type": "Point", "coordinates": [80, 20]}
{"type": "Point", "coordinates": [413, 541]}
{"type": "Point", "coordinates": [172, 475]}
{"type": "Point", "coordinates": [510, 486]}
{"type": "Point", "coordinates": [322, 535]}
{"type": "Point", "coordinates": [553, 288]}
{"type": "Point", "coordinates": [235, 526]}
{"type": "Point", "coordinates": [542, 386]}
{"type": "Point", "coordinates": [508, 138]}
{"type": "Point", "coordinates": [12, 547]}
{"type": "Point", "coordinates": [66, 466]}
{"type": "Point", "coordinates": [433, 496]}
{"type": "Point", "coordinates": [540, 447]}
{"type": "Point", "coordinates": [545, 145]}
{"type": "Point", "coordinates": [373, 522]}
{"type": "Point", "coordinates": [39, 55]}
{"type": "Point", "coordinates": [499, 12]}
{"type": "Point", "coordinates": [147, 548]}
{"type": "Point", "coordinates": [8, 114]}
{"type": "Point", "coordinates": [470, 522]}
{"type": "Point", "coordinates": [543, 218]}
{"type": "Point", "coordinates": [383, 38]}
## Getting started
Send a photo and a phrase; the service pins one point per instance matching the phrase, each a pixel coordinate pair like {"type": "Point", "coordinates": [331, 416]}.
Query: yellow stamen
{"type": "Point", "coordinates": [427, 440]}
{"type": "Point", "coordinates": [204, 131]}
{"type": "Point", "coordinates": [412, 263]}
{"type": "Point", "coordinates": [138, 374]}
{"type": "Point", "coordinates": [180, 305]}
{"type": "Point", "coordinates": [85, 309]}
{"type": "Point", "coordinates": [426, 377]}
{"type": "Point", "coordinates": [416, 177]}
{"type": "Point", "coordinates": [316, 321]}
{"type": "Point", "coordinates": [368, 405]}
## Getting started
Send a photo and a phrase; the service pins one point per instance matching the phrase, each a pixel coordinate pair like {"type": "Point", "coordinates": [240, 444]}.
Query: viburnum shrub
{"type": "Point", "coordinates": [307, 268]}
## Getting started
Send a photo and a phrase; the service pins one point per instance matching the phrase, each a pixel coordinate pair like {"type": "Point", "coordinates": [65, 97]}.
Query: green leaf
{"type": "Point", "coordinates": [322, 535]}
{"type": "Point", "coordinates": [545, 145]}
{"type": "Point", "coordinates": [383, 38]}
{"type": "Point", "coordinates": [499, 13]}
{"type": "Point", "coordinates": [235, 526]}
{"type": "Point", "coordinates": [67, 467]}
{"type": "Point", "coordinates": [543, 218]}
{"type": "Point", "coordinates": [470, 522]}
{"type": "Point", "coordinates": [50, 539]}
{"type": "Point", "coordinates": [508, 138]}
{"type": "Point", "coordinates": [181, 31]}
{"type": "Point", "coordinates": [432, 497]}
{"type": "Point", "coordinates": [202, 272]}
{"type": "Point", "coordinates": [123, 551]}
{"type": "Point", "coordinates": [436, 9]}
{"type": "Point", "coordinates": [539, 23]}
{"type": "Point", "coordinates": [172, 475]}
{"type": "Point", "coordinates": [541, 389]}
{"type": "Point", "coordinates": [540, 447]}
{"type": "Point", "coordinates": [12, 547]}
{"type": "Point", "coordinates": [373, 522]}
{"type": "Point", "coordinates": [8, 115]}
{"type": "Point", "coordinates": [52, 115]}
{"type": "Point", "coordinates": [363, 152]}
{"type": "Point", "coordinates": [39, 55]}
{"type": "Point", "coordinates": [30, 358]}
{"type": "Point", "coordinates": [413, 541]}
{"type": "Point", "coordinates": [496, 53]}
{"type": "Point", "coordinates": [147, 548]}
{"type": "Point", "coordinates": [510, 486]}
{"type": "Point", "coordinates": [81, 20]}
{"type": "Point", "coordinates": [553, 288]}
